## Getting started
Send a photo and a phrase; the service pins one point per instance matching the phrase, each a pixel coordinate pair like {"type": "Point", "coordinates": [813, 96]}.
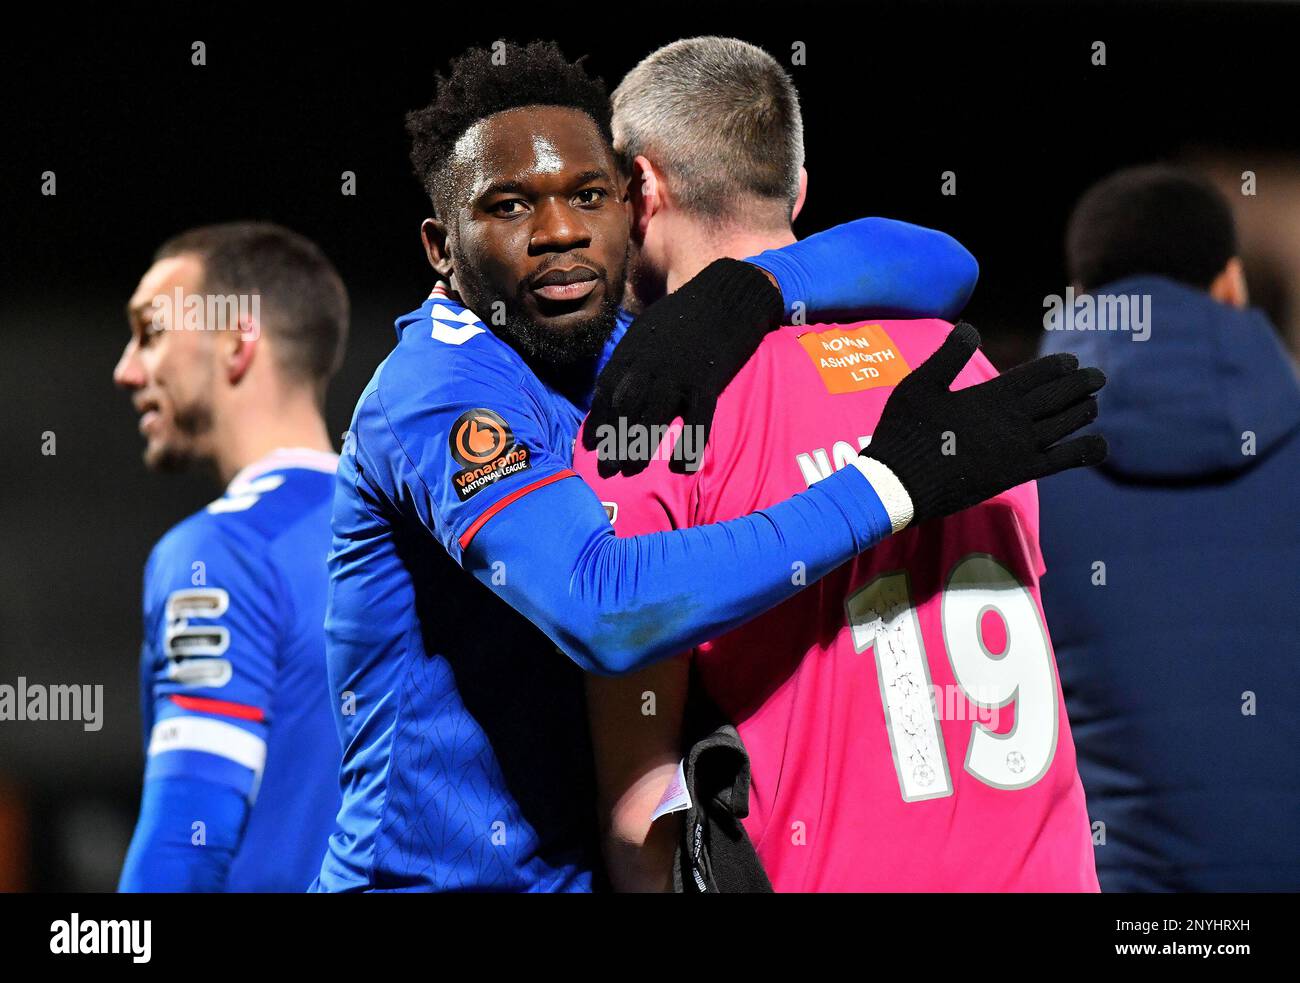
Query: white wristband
{"type": "Point", "coordinates": [893, 496]}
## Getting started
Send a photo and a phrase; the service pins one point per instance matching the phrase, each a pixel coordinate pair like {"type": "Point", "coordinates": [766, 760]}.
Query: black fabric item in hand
{"type": "Point", "coordinates": [953, 449]}
{"type": "Point", "coordinates": [714, 854]}
{"type": "Point", "coordinates": [675, 360]}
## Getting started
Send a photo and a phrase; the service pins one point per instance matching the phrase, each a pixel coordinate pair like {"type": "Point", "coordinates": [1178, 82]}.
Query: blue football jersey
{"type": "Point", "coordinates": [234, 687]}
{"type": "Point", "coordinates": [467, 761]}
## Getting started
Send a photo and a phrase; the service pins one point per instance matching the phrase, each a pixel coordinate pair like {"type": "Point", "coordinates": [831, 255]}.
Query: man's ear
{"type": "Point", "coordinates": [803, 193]}
{"type": "Point", "coordinates": [239, 348]}
{"type": "Point", "coordinates": [1229, 287]}
{"type": "Point", "coordinates": [434, 236]}
{"type": "Point", "coordinates": [646, 191]}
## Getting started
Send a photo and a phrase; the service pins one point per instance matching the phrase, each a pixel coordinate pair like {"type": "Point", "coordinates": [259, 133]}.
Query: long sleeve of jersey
{"type": "Point", "coordinates": [874, 265]}
{"type": "Point", "coordinates": [185, 838]}
{"type": "Point", "coordinates": [208, 670]}
{"type": "Point", "coordinates": [470, 450]}
{"type": "Point", "coordinates": [616, 605]}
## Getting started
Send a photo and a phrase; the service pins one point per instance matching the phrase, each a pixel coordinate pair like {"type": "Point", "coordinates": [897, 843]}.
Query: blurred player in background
{"type": "Point", "coordinates": [461, 529]}
{"type": "Point", "coordinates": [235, 332]}
{"type": "Point", "coordinates": [1174, 566]}
{"type": "Point", "coordinates": [902, 717]}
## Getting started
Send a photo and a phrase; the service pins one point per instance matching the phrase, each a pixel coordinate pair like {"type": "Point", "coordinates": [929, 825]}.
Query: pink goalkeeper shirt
{"type": "Point", "coordinates": [903, 717]}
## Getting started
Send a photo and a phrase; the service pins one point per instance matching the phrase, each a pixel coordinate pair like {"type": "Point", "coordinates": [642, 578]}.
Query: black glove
{"type": "Point", "coordinates": [676, 359]}
{"type": "Point", "coordinates": [951, 450]}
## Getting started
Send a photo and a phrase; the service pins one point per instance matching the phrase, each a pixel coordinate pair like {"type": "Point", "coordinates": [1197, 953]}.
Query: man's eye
{"type": "Point", "coordinates": [511, 206]}
{"type": "Point", "coordinates": [591, 196]}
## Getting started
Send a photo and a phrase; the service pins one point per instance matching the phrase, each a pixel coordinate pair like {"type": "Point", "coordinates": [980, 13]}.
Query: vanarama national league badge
{"type": "Point", "coordinates": [482, 443]}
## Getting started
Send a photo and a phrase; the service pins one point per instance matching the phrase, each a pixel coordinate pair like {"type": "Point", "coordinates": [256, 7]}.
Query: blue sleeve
{"type": "Point", "coordinates": [617, 605]}
{"type": "Point", "coordinates": [874, 266]}
{"type": "Point", "coordinates": [472, 453]}
{"type": "Point", "coordinates": [458, 444]}
{"type": "Point", "coordinates": [187, 835]}
{"type": "Point", "coordinates": [212, 629]}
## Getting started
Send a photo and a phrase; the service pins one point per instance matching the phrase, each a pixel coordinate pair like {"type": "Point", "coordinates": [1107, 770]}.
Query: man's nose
{"type": "Point", "coordinates": [128, 373]}
{"type": "Point", "coordinates": [558, 227]}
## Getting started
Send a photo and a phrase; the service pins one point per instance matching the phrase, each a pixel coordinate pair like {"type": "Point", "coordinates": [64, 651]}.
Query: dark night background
{"type": "Point", "coordinates": [144, 145]}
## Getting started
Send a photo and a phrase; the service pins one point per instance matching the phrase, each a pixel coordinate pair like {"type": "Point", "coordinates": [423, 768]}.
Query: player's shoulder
{"type": "Point", "coordinates": [182, 539]}
{"type": "Point", "coordinates": [200, 549]}
{"type": "Point", "coordinates": [445, 352]}
{"type": "Point", "coordinates": [263, 503]}
{"type": "Point", "coordinates": [896, 344]}
{"type": "Point", "coordinates": [909, 335]}
{"type": "Point", "coordinates": [446, 364]}
{"type": "Point", "coordinates": [921, 337]}
{"type": "Point", "coordinates": [284, 484]}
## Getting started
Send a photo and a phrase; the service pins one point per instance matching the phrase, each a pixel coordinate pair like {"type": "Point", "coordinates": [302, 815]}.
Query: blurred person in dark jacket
{"type": "Point", "coordinates": [1172, 568]}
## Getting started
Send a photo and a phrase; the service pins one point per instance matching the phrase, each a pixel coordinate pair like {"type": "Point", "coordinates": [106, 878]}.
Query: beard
{"type": "Point", "coordinates": [551, 348]}
{"type": "Point", "coordinates": [179, 454]}
{"type": "Point", "coordinates": [547, 349]}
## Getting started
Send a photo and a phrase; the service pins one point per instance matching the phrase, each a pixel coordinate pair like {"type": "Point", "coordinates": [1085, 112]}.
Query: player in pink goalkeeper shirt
{"type": "Point", "coordinates": [903, 718]}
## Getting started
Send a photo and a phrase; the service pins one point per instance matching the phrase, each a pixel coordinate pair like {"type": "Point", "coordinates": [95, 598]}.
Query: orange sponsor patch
{"type": "Point", "coordinates": [482, 443]}
{"type": "Point", "coordinates": [480, 437]}
{"type": "Point", "coordinates": [853, 359]}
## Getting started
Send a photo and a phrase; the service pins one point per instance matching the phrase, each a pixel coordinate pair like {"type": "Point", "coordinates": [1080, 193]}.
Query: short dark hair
{"type": "Point", "coordinates": [485, 81]}
{"type": "Point", "coordinates": [1150, 220]}
{"type": "Point", "coordinates": [303, 303]}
